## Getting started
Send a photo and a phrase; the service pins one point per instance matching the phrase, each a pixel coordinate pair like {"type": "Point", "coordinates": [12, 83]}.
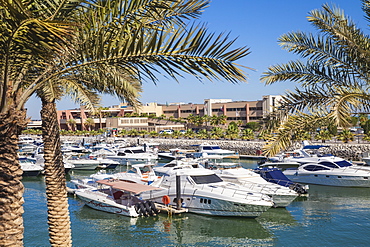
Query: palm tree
{"type": "Point", "coordinates": [89, 122]}
{"type": "Point", "coordinates": [72, 122]}
{"type": "Point", "coordinates": [334, 77]}
{"type": "Point", "coordinates": [248, 134]}
{"type": "Point", "coordinates": [324, 135]}
{"type": "Point", "coordinates": [106, 57]}
{"type": "Point", "coordinates": [346, 136]}
{"type": "Point", "coordinates": [30, 33]}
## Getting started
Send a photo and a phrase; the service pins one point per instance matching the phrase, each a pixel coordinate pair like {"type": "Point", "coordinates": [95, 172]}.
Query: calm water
{"type": "Point", "coordinates": [330, 216]}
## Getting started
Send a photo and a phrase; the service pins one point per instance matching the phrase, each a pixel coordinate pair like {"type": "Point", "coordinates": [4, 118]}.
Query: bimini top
{"type": "Point", "coordinates": [126, 186]}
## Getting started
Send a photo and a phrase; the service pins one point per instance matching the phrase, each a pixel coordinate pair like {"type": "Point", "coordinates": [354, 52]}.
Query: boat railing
{"type": "Point", "coordinates": [261, 188]}
{"type": "Point", "coordinates": [217, 189]}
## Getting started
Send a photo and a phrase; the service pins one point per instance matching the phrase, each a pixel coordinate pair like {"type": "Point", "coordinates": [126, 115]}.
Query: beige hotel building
{"type": "Point", "coordinates": [113, 118]}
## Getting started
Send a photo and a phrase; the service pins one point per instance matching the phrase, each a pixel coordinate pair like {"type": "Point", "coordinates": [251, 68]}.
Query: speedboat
{"type": "Point", "coordinates": [29, 167]}
{"type": "Point", "coordinates": [204, 192]}
{"type": "Point", "coordinates": [81, 162]}
{"type": "Point", "coordinates": [119, 197]}
{"type": "Point", "coordinates": [72, 147]}
{"type": "Point", "coordinates": [138, 173]}
{"type": "Point", "coordinates": [328, 172]}
{"type": "Point", "coordinates": [133, 155]}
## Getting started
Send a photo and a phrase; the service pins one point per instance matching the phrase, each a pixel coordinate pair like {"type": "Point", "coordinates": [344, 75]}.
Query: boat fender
{"type": "Point", "coordinates": [140, 209]}
{"type": "Point", "coordinates": [166, 200]}
{"type": "Point", "coordinates": [153, 207]}
{"type": "Point", "coordinates": [148, 208]}
{"type": "Point", "coordinates": [143, 210]}
{"type": "Point", "coordinates": [137, 208]}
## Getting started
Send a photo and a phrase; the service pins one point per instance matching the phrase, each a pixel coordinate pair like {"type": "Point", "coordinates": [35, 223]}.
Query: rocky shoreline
{"type": "Point", "coordinates": [350, 151]}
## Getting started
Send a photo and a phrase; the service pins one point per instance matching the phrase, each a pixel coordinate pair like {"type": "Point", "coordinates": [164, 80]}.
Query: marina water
{"type": "Point", "coordinates": [329, 216]}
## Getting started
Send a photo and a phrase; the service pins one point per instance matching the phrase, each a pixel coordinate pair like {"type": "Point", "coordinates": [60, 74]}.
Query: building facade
{"type": "Point", "coordinates": [114, 117]}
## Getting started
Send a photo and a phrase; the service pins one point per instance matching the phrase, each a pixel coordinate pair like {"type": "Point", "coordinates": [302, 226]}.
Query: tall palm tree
{"type": "Point", "coordinates": [334, 77]}
{"type": "Point", "coordinates": [29, 33]}
{"type": "Point", "coordinates": [113, 45]}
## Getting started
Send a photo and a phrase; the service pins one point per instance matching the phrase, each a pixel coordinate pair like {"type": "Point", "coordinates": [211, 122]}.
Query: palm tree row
{"type": "Point", "coordinates": [78, 48]}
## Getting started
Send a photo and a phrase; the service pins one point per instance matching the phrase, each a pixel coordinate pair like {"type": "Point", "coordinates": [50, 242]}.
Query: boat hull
{"type": "Point", "coordinates": [105, 204]}
{"type": "Point", "coordinates": [331, 180]}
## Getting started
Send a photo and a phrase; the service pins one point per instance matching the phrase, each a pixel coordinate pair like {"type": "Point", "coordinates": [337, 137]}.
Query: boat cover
{"type": "Point", "coordinates": [126, 186]}
{"type": "Point", "coordinates": [275, 175]}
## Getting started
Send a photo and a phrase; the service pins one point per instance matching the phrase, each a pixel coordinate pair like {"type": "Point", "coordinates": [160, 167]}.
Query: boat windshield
{"type": "Point", "coordinates": [329, 164]}
{"type": "Point", "coordinates": [343, 163]}
{"type": "Point", "coordinates": [206, 179]}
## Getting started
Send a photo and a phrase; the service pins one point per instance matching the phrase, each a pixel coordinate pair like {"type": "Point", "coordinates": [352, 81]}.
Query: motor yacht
{"type": "Point", "coordinates": [133, 155]}
{"type": "Point", "coordinates": [330, 172]}
{"type": "Point", "coordinates": [252, 181]}
{"type": "Point", "coordinates": [204, 192]}
{"type": "Point", "coordinates": [236, 176]}
{"type": "Point", "coordinates": [72, 147]}
{"type": "Point", "coordinates": [213, 149]}
{"type": "Point", "coordinates": [81, 161]}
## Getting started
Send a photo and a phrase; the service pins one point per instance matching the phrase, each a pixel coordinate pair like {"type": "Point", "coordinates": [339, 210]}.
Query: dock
{"type": "Point", "coordinates": [169, 209]}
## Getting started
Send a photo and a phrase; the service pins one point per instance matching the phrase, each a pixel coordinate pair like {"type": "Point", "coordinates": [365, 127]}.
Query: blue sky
{"type": "Point", "coordinates": [257, 25]}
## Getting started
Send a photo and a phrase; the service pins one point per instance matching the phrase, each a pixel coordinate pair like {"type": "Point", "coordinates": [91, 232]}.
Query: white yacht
{"type": "Point", "coordinates": [81, 162]}
{"type": "Point", "coordinates": [203, 192]}
{"type": "Point", "coordinates": [133, 155]}
{"type": "Point", "coordinates": [213, 149]}
{"type": "Point", "coordinates": [251, 181]}
{"type": "Point", "coordinates": [72, 147]}
{"type": "Point", "coordinates": [234, 176]}
{"type": "Point", "coordinates": [333, 173]}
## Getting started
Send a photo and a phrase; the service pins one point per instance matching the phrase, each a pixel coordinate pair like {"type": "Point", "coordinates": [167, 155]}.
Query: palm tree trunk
{"type": "Point", "coordinates": [11, 187]}
{"type": "Point", "coordinates": [56, 190]}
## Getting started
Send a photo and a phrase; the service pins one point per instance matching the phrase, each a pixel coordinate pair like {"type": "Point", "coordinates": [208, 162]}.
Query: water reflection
{"type": "Point", "coordinates": [178, 230]}
{"type": "Point", "coordinates": [195, 229]}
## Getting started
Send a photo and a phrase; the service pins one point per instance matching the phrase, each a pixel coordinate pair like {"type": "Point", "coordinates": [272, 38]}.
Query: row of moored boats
{"type": "Point", "coordinates": [196, 181]}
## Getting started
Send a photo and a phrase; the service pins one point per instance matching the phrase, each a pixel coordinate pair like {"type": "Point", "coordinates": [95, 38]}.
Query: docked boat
{"type": "Point", "coordinates": [235, 176]}
{"type": "Point", "coordinates": [81, 162]}
{"type": "Point", "coordinates": [133, 155]}
{"type": "Point", "coordinates": [72, 147]}
{"type": "Point", "coordinates": [332, 173]}
{"type": "Point", "coordinates": [252, 181]}
{"type": "Point", "coordinates": [204, 192]}
{"type": "Point", "coordinates": [213, 149]}
{"type": "Point", "coordinates": [29, 167]}
{"type": "Point", "coordinates": [138, 173]}
{"type": "Point", "coordinates": [119, 197]}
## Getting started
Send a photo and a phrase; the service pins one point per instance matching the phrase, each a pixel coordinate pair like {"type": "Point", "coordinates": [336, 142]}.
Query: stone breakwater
{"type": "Point", "coordinates": [349, 151]}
